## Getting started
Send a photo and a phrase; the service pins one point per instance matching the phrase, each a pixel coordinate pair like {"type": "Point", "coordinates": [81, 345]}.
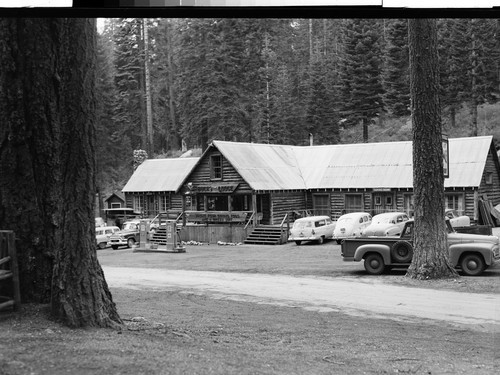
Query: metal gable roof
{"type": "Point", "coordinates": [160, 175]}
{"type": "Point", "coordinates": [467, 161]}
{"type": "Point", "coordinates": [362, 165]}
{"type": "Point", "coordinates": [268, 167]}
{"type": "Point", "coordinates": [264, 166]}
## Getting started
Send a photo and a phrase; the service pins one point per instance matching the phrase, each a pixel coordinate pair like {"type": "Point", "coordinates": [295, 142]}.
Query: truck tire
{"type": "Point", "coordinates": [298, 242]}
{"type": "Point", "coordinates": [472, 264]}
{"type": "Point", "coordinates": [102, 245]}
{"type": "Point", "coordinates": [374, 264]}
{"type": "Point", "coordinates": [402, 252]}
{"type": "Point", "coordinates": [321, 240]}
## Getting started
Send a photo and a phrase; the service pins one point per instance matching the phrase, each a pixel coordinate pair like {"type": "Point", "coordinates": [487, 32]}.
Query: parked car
{"type": "Point", "coordinates": [102, 235]}
{"type": "Point", "coordinates": [472, 253]}
{"type": "Point", "coordinates": [128, 236]}
{"type": "Point", "coordinates": [312, 228]}
{"type": "Point", "coordinates": [351, 225]}
{"type": "Point", "coordinates": [457, 220]}
{"type": "Point", "coordinates": [386, 224]}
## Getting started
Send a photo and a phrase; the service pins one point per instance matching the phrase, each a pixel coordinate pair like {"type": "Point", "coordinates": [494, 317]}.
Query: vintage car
{"type": "Point", "coordinates": [457, 220]}
{"type": "Point", "coordinates": [351, 225]}
{"type": "Point", "coordinates": [312, 228]}
{"type": "Point", "coordinates": [386, 224]}
{"type": "Point", "coordinates": [102, 235]}
{"type": "Point", "coordinates": [472, 253]}
{"type": "Point", "coordinates": [128, 236]}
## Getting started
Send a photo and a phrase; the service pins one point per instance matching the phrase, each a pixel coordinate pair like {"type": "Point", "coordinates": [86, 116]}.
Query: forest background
{"type": "Point", "coordinates": [170, 85]}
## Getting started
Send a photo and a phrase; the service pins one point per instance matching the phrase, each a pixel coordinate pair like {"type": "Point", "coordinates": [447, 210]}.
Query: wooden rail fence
{"type": "Point", "coordinates": [9, 272]}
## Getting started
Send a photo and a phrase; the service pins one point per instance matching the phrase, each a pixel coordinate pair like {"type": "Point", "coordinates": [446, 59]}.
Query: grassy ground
{"type": "Point", "coordinates": [184, 333]}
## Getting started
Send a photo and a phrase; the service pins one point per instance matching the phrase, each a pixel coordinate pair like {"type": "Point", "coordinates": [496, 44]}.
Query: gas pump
{"type": "Point", "coordinates": [173, 242]}
{"type": "Point", "coordinates": [165, 237]}
{"type": "Point", "coordinates": [144, 233]}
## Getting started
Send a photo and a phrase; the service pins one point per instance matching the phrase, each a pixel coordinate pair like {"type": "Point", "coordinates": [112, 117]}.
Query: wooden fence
{"type": "Point", "coordinates": [9, 277]}
{"type": "Point", "coordinates": [213, 233]}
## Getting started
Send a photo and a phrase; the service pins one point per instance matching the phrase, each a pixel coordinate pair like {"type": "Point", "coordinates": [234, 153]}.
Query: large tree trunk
{"type": "Point", "coordinates": [149, 110]}
{"type": "Point", "coordinates": [430, 259]}
{"type": "Point", "coordinates": [47, 165]}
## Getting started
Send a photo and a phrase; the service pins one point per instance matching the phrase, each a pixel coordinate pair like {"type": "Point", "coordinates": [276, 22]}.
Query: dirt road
{"type": "Point", "coordinates": [350, 296]}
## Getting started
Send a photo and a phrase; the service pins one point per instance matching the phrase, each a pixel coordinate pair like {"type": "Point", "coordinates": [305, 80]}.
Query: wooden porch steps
{"type": "Point", "coordinates": [265, 235]}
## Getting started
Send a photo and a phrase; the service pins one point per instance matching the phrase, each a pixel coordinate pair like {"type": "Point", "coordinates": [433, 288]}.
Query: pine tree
{"type": "Point", "coordinates": [130, 108]}
{"type": "Point", "coordinates": [396, 69]}
{"type": "Point", "coordinates": [47, 165]}
{"type": "Point", "coordinates": [430, 259]}
{"type": "Point", "coordinates": [361, 72]}
{"type": "Point", "coordinates": [113, 147]}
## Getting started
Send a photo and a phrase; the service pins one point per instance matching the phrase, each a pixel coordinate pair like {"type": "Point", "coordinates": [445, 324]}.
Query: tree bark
{"type": "Point", "coordinates": [430, 259]}
{"type": "Point", "coordinates": [149, 110]}
{"type": "Point", "coordinates": [47, 165]}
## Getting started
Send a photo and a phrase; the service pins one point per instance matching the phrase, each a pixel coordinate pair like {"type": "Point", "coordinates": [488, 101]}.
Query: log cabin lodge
{"type": "Point", "coordinates": [235, 187]}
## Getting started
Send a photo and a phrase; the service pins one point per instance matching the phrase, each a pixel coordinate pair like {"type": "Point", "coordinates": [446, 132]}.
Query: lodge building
{"type": "Point", "coordinates": [234, 184]}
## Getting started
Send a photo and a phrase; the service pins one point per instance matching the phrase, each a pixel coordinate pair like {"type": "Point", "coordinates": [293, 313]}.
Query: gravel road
{"type": "Point", "coordinates": [350, 296]}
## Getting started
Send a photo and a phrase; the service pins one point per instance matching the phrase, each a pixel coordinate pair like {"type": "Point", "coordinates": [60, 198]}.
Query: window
{"type": "Point", "coordinates": [455, 202]}
{"type": "Point", "coordinates": [216, 167]}
{"type": "Point", "coordinates": [164, 203]}
{"type": "Point", "coordinates": [241, 202]}
{"type": "Point", "coordinates": [320, 223]}
{"type": "Point", "coordinates": [378, 200]}
{"type": "Point", "coordinates": [388, 201]}
{"type": "Point", "coordinates": [116, 205]}
{"type": "Point", "coordinates": [321, 204]}
{"type": "Point", "coordinates": [489, 178]}
{"type": "Point", "coordinates": [138, 203]}
{"type": "Point", "coordinates": [217, 203]}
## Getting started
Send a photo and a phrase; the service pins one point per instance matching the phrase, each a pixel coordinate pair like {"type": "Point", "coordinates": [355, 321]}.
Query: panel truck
{"type": "Point", "coordinates": [471, 253]}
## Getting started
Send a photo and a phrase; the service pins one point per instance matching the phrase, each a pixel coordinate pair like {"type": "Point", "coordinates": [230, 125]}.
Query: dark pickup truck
{"type": "Point", "coordinates": [472, 253]}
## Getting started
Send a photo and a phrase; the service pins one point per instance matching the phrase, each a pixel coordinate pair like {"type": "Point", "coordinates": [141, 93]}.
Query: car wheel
{"type": "Point", "coordinates": [102, 245]}
{"type": "Point", "coordinates": [114, 247]}
{"type": "Point", "coordinates": [472, 264]}
{"type": "Point", "coordinates": [321, 240]}
{"type": "Point", "coordinates": [402, 252]}
{"type": "Point", "coordinates": [130, 242]}
{"type": "Point", "coordinates": [298, 243]}
{"type": "Point", "coordinates": [374, 264]}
